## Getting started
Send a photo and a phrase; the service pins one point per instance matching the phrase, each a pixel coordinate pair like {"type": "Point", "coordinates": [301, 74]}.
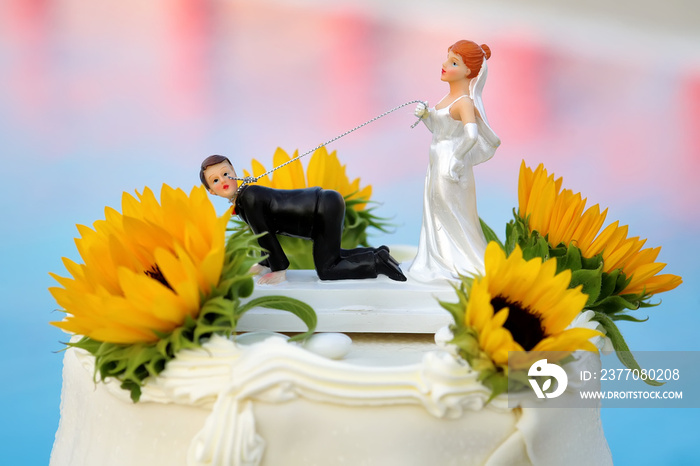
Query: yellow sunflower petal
{"type": "Point", "coordinates": [259, 169]}
{"type": "Point", "coordinates": [655, 284]}
{"type": "Point", "coordinates": [126, 335]}
{"type": "Point", "coordinates": [524, 187]}
{"type": "Point", "coordinates": [333, 172]}
{"type": "Point", "coordinates": [294, 172]}
{"type": "Point", "coordinates": [479, 310]}
{"type": "Point", "coordinates": [315, 173]}
{"type": "Point", "coordinates": [588, 227]}
{"type": "Point", "coordinates": [282, 177]}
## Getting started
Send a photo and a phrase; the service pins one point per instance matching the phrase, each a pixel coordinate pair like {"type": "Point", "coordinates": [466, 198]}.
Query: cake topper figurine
{"type": "Point", "coordinates": [312, 213]}
{"type": "Point", "coordinates": [451, 238]}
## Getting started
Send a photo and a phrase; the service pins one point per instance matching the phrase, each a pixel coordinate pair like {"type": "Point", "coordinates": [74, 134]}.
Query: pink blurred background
{"type": "Point", "coordinates": [98, 98]}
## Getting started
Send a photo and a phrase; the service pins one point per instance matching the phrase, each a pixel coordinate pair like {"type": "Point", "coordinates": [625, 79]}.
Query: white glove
{"type": "Point", "coordinates": [471, 134]}
{"type": "Point", "coordinates": [455, 170]}
{"type": "Point", "coordinates": [421, 110]}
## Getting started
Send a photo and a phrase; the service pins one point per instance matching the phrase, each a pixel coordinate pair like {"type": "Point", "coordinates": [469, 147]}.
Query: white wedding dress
{"type": "Point", "coordinates": [451, 238]}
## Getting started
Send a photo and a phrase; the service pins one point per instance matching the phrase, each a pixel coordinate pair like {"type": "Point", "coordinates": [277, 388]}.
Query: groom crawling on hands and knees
{"type": "Point", "coordinates": [315, 214]}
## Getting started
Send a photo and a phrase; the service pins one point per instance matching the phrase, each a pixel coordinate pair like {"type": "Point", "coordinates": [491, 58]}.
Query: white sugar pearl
{"type": "Point", "coordinates": [329, 345]}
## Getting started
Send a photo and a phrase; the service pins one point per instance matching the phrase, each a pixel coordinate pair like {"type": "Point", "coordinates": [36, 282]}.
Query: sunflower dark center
{"type": "Point", "coordinates": [523, 324]}
{"type": "Point", "coordinates": [155, 273]}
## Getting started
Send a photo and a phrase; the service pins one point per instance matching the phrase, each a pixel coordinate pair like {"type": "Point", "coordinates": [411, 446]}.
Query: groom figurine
{"type": "Point", "coordinates": [312, 213]}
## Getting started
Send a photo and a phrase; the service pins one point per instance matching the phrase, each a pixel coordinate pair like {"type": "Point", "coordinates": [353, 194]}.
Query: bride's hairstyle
{"type": "Point", "coordinates": [472, 54]}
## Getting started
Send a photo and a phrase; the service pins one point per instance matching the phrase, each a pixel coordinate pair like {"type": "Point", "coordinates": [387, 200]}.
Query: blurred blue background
{"type": "Point", "coordinates": [97, 98]}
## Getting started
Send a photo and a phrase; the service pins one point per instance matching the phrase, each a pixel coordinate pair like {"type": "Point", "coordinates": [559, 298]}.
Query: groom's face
{"type": "Point", "coordinates": [217, 177]}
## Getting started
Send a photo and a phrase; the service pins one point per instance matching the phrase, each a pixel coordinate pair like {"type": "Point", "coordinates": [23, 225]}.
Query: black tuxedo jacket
{"type": "Point", "coordinates": [289, 212]}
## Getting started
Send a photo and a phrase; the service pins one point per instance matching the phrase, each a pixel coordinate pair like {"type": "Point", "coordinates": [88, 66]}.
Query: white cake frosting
{"type": "Point", "coordinates": [392, 399]}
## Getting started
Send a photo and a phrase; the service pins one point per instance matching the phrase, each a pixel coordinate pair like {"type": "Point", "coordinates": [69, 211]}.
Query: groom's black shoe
{"type": "Point", "coordinates": [387, 265]}
{"type": "Point", "coordinates": [386, 248]}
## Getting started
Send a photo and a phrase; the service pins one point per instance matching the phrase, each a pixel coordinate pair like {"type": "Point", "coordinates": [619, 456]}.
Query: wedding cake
{"type": "Point", "coordinates": [367, 398]}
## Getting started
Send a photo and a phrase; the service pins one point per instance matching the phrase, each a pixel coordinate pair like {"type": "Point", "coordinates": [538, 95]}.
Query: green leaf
{"type": "Point", "coordinates": [638, 299]}
{"type": "Point", "coordinates": [86, 343]}
{"type": "Point", "coordinates": [517, 233]}
{"type": "Point", "coordinates": [570, 260]}
{"type": "Point", "coordinates": [608, 283]}
{"type": "Point", "coordinates": [627, 317]}
{"type": "Point", "coordinates": [621, 282]}
{"type": "Point", "coordinates": [537, 247]}
{"type": "Point", "coordinates": [467, 342]}
{"type": "Point", "coordinates": [590, 280]}
{"type": "Point", "coordinates": [498, 383]}
{"type": "Point", "coordinates": [612, 305]}
{"type": "Point", "coordinates": [134, 389]}
{"type": "Point", "coordinates": [623, 352]}
{"type": "Point", "coordinates": [592, 262]}
{"type": "Point", "coordinates": [489, 234]}
{"type": "Point", "coordinates": [456, 310]}
{"type": "Point", "coordinates": [285, 303]}
{"type": "Point", "coordinates": [511, 238]}
{"type": "Point", "coordinates": [299, 252]}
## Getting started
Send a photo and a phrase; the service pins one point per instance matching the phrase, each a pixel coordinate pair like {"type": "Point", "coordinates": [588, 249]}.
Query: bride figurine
{"type": "Point", "coordinates": [451, 238]}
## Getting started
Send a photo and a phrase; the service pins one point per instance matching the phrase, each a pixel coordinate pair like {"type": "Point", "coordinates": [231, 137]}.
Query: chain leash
{"type": "Point", "coordinates": [252, 179]}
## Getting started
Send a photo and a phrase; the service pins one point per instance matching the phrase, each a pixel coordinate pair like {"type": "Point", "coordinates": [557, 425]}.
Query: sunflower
{"type": "Point", "coordinates": [616, 272]}
{"type": "Point", "coordinates": [158, 278]}
{"type": "Point", "coordinates": [558, 215]}
{"type": "Point", "coordinates": [517, 306]}
{"type": "Point", "coordinates": [325, 171]}
{"type": "Point", "coordinates": [145, 270]}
